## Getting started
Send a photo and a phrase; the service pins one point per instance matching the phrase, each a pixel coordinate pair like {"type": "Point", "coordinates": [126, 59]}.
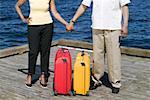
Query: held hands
{"type": "Point", "coordinates": [70, 26]}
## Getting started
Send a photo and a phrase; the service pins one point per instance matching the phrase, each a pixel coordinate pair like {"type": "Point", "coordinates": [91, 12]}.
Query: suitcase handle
{"type": "Point", "coordinates": [64, 50]}
{"type": "Point", "coordinates": [82, 54]}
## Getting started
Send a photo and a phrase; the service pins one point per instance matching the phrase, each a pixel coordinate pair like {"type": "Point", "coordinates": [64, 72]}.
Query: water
{"type": "Point", "coordinates": [13, 31]}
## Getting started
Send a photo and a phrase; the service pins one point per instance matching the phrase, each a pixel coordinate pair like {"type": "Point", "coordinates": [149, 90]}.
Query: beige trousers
{"type": "Point", "coordinates": [106, 40]}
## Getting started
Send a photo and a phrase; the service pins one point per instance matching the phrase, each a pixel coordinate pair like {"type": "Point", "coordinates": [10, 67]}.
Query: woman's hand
{"type": "Point", "coordinates": [70, 27]}
{"type": "Point", "coordinates": [26, 20]}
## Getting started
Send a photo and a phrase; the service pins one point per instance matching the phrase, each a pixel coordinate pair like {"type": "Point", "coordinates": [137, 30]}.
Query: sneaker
{"type": "Point", "coordinates": [95, 85]}
{"type": "Point", "coordinates": [115, 90]}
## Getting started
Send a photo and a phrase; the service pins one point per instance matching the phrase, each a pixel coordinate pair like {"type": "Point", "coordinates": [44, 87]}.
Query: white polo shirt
{"type": "Point", "coordinates": [106, 14]}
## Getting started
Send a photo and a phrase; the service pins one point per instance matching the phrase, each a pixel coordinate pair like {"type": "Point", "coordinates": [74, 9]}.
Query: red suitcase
{"type": "Point", "coordinates": [62, 72]}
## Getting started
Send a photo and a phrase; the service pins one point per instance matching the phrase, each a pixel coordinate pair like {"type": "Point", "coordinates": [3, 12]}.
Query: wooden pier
{"type": "Point", "coordinates": [14, 63]}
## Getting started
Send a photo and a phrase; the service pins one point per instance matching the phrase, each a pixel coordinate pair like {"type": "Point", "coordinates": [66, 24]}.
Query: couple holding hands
{"type": "Point", "coordinates": [109, 22]}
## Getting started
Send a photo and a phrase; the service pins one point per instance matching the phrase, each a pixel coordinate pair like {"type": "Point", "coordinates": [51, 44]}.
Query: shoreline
{"type": "Point", "coordinates": [76, 44]}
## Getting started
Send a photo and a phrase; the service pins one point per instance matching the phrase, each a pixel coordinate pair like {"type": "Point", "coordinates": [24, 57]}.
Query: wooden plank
{"type": "Point", "coordinates": [124, 50]}
{"type": "Point", "coordinates": [18, 50]}
{"type": "Point", "coordinates": [135, 51]}
{"type": "Point", "coordinates": [13, 51]}
{"type": "Point", "coordinates": [77, 44]}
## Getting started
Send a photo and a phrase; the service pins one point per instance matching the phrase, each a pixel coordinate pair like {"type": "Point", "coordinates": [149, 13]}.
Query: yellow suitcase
{"type": "Point", "coordinates": [81, 77]}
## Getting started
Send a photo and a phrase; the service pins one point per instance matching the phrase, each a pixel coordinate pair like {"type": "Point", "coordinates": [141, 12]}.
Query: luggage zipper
{"type": "Point", "coordinates": [83, 64]}
{"type": "Point", "coordinates": [84, 78]}
{"type": "Point", "coordinates": [65, 62]}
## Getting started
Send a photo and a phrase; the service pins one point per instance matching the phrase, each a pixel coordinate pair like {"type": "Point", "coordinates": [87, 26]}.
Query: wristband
{"type": "Point", "coordinates": [72, 21]}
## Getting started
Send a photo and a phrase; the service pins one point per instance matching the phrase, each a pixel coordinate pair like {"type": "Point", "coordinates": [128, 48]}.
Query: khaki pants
{"type": "Point", "coordinates": [106, 40]}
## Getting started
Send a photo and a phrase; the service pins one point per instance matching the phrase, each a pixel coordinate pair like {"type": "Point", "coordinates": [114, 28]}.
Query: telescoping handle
{"type": "Point", "coordinates": [82, 54]}
{"type": "Point", "coordinates": [82, 62]}
{"type": "Point", "coordinates": [64, 50]}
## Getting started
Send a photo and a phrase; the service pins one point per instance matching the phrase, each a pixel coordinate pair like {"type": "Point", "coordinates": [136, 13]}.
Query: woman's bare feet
{"type": "Point", "coordinates": [43, 82]}
{"type": "Point", "coordinates": [28, 82]}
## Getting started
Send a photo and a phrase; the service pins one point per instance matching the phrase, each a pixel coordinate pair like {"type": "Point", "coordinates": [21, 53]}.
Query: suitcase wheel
{"type": "Point", "coordinates": [70, 93]}
{"type": "Point", "coordinates": [87, 93]}
{"type": "Point", "coordinates": [55, 93]}
{"type": "Point", "coordinates": [53, 86]}
{"type": "Point", "coordinates": [74, 93]}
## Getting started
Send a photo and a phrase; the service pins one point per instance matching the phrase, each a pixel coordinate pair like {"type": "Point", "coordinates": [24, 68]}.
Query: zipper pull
{"type": "Point", "coordinates": [82, 63]}
{"type": "Point", "coordinates": [64, 60]}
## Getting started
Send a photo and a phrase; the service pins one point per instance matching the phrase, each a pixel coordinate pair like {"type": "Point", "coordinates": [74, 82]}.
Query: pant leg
{"type": "Point", "coordinates": [98, 53]}
{"type": "Point", "coordinates": [46, 39]}
{"type": "Point", "coordinates": [113, 57]}
{"type": "Point", "coordinates": [34, 44]}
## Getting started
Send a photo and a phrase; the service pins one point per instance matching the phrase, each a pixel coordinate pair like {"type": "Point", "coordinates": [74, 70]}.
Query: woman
{"type": "Point", "coordinates": [40, 30]}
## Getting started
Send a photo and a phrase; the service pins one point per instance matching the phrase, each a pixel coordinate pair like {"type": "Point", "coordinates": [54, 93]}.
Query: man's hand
{"type": "Point", "coordinates": [124, 31]}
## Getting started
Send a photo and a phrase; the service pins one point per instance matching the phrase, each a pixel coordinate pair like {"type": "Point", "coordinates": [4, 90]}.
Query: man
{"type": "Point", "coordinates": [109, 21]}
